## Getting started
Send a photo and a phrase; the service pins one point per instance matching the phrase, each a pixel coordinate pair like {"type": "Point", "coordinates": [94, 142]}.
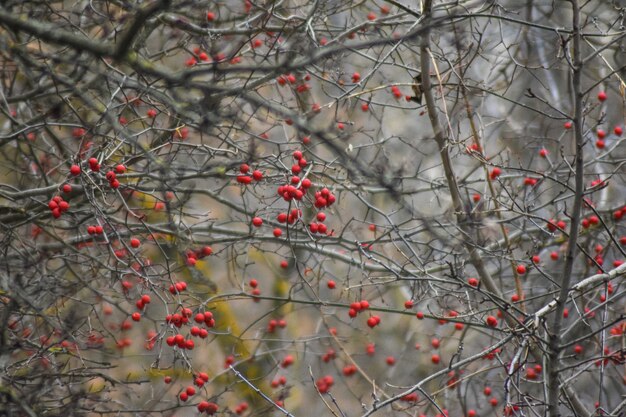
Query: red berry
{"type": "Point", "coordinates": [356, 77]}
{"type": "Point", "coordinates": [495, 173]}
{"type": "Point", "coordinates": [543, 152]}
{"type": "Point", "coordinates": [331, 284]}
{"type": "Point", "coordinates": [277, 232]}
{"type": "Point", "coordinates": [257, 221]}
{"type": "Point", "coordinates": [244, 179]}
{"type": "Point", "coordinates": [567, 125]}
{"type": "Point", "coordinates": [600, 144]}
{"type": "Point", "coordinates": [601, 133]}
{"type": "Point", "coordinates": [521, 269]}
{"type": "Point", "coordinates": [618, 130]}
{"type": "Point", "coordinates": [473, 282]}
{"type": "Point", "coordinates": [134, 242]}
{"type": "Point", "coordinates": [136, 316]}
{"type": "Point", "coordinates": [365, 107]}
{"type": "Point", "coordinates": [601, 96]}
{"type": "Point", "coordinates": [435, 359]}
{"type": "Point", "coordinates": [120, 169]}
{"type": "Point", "coordinates": [371, 16]}
{"type": "Point", "coordinates": [210, 16]}
{"type": "Point", "coordinates": [408, 304]}
{"type": "Point", "coordinates": [257, 175]}
{"type": "Point", "coordinates": [321, 217]}
{"type": "Point", "coordinates": [75, 170]}
{"type": "Point", "coordinates": [491, 321]}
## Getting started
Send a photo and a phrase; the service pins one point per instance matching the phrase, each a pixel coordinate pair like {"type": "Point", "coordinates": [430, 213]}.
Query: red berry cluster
{"type": "Point", "coordinates": [329, 355]}
{"type": "Point", "coordinates": [280, 381]}
{"type": "Point", "coordinates": [319, 227]}
{"type": "Point", "coordinates": [58, 206]}
{"type": "Point", "coordinates": [94, 165]}
{"type": "Point", "coordinates": [324, 198]}
{"type": "Point", "coordinates": [349, 370]}
{"type": "Point", "coordinates": [244, 178]}
{"type": "Point", "coordinates": [178, 287]}
{"type": "Point", "coordinates": [209, 407]}
{"type": "Point", "coordinates": [287, 78]}
{"type": "Point", "coordinates": [552, 226]}
{"type": "Point", "coordinates": [271, 326]}
{"type": "Point", "coordinates": [241, 408]}
{"type": "Point", "coordinates": [396, 92]}
{"type": "Point", "coordinates": [324, 383]}
{"type": "Point", "coordinates": [193, 255]}
{"type": "Point", "coordinates": [95, 230]}
{"type": "Point", "coordinates": [112, 178]}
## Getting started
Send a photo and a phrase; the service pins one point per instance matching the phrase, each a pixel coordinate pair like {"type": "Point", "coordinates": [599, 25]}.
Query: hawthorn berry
{"type": "Point", "coordinates": [75, 170]}
{"type": "Point", "coordinates": [495, 173]}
